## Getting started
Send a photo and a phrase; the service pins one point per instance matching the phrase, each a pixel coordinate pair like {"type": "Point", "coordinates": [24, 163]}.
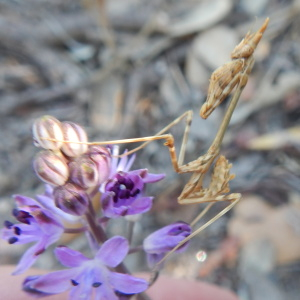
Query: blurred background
{"type": "Point", "coordinates": [127, 68]}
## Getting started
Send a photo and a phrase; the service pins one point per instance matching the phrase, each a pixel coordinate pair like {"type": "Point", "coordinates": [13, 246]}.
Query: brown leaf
{"type": "Point", "coordinates": [204, 15]}
{"type": "Point", "coordinates": [275, 140]}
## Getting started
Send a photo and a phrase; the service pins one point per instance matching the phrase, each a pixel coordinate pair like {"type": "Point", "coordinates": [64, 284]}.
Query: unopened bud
{"type": "Point", "coordinates": [84, 172]}
{"type": "Point", "coordinates": [71, 199]}
{"type": "Point", "coordinates": [102, 157]}
{"type": "Point", "coordinates": [51, 168]}
{"type": "Point", "coordinates": [45, 128]}
{"type": "Point", "coordinates": [73, 134]}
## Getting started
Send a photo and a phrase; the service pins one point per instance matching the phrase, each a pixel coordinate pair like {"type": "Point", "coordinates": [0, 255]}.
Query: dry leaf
{"type": "Point", "coordinates": [205, 14]}
{"type": "Point", "coordinates": [276, 139]}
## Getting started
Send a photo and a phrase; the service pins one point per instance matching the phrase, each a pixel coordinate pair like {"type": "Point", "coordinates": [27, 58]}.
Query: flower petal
{"type": "Point", "coordinates": [122, 163]}
{"type": "Point", "coordinates": [148, 177]}
{"type": "Point", "coordinates": [83, 290]}
{"type": "Point", "coordinates": [135, 178]}
{"type": "Point", "coordinates": [27, 234]}
{"type": "Point", "coordinates": [130, 163]}
{"type": "Point", "coordinates": [104, 292]}
{"type": "Point", "coordinates": [140, 205]}
{"type": "Point", "coordinates": [162, 245]}
{"type": "Point", "coordinates": [114, 162]}
{"type": "Point", "coordinates": [128, 284]}
{"type": "Point", "coordinates": [113, 251]}
{"type": "Point", "coordinates": [153, 259]}
{"type": "Point", "coordinates": [166, 238]}
{"type": "Point", "coordinates": [29, 257]}
{"type": "Point", "coordinates": [52, 283]}
{"type": "Point", "coordinates": [109, 210]}
{"type": "Point", "coordinates": [49, 223]}
{"type": "Point", "coordinates": [151, 178]}
{"type": "Point", "coordinates": [48, 203]}
{"type": "Point", "coordinates": [25, 201]}
{"type": "Point", "coordinates": [69, 257]}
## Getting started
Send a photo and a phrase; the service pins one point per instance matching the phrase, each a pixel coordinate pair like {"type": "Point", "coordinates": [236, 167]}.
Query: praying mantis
{"type": "Point", "coordinates": [231, 76]}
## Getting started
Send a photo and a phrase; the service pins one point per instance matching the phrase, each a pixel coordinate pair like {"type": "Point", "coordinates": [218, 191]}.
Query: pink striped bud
{"type": "Point", "coordinates": [73, 134]}
{"type": "Point", "coordinates": [84, 172]}
{"type": "Point", "coordinates": [45, 128]}
{"type": "Point", "coordinates": [71, 199]}
{"type": "Point", "coordinates": [51, 168]}
{"type": "Point", "coordinates": [102, 157]}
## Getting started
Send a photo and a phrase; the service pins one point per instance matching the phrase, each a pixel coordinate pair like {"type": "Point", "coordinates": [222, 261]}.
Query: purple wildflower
{"type": "Point", "coordinates": [164, 240]}
{"type": "Point", "coordinates": [123, 192]}
{"type": "Point", "coordinates": [87, 277]}
{"type": "Point", "coordinates": [37, 224]}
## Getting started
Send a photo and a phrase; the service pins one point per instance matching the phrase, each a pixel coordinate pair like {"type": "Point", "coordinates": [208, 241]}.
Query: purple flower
{"type": "Point", "coordinates": [37, 224]}
{"type": "Point", "coordinates": [164, 240]}
{"type": "Point", "coordinates": [87, 277]}
{"type": "Point", "coordinates": [123, 192]}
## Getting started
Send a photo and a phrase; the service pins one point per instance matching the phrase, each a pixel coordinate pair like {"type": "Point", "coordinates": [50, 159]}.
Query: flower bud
{"type": "Point", "coordinates": [51, 168]}
{"type": "Point", "coordinates": [157, 244]}
{"type": "Point", "coordinates": [84, 172]}
{"type": "Point", "coordinates": [47, 127]}
{"type": "Point", "coordinates": [102, 157]}
{"type": "Point", "coordinates": [73, 134]}
{"type": "Point", "coordinates": [71, 199]}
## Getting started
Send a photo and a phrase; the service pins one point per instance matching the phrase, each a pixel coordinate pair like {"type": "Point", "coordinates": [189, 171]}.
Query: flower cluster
{"type": "Point", "coordinates": [74, 172]}
{"type": "Point", "coordinates": [68, 163]}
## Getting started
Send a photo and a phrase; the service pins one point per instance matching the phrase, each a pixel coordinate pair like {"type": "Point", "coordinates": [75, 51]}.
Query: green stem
{"type": "Point", "coordinates": [130, 231]}
{"type": "Point", "coordinates": [96, 230]}
{"type": "Point", "coordinates": [136, 249]}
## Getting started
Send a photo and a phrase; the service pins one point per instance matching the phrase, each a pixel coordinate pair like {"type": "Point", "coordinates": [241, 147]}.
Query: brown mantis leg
{"type": "Point", "coordinates": [188, 115]}
{"type": "Point", "coordinates": [177, 163]}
